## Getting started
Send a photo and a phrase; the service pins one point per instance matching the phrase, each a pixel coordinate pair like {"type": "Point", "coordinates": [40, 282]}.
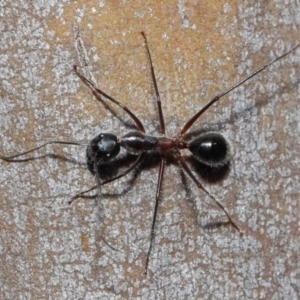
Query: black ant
{"type": "Point", "coordinates": [210, 148]}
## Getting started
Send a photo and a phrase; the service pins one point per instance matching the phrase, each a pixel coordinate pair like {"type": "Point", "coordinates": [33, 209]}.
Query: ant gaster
{"type": "Point", "coordinates": [210, 148]}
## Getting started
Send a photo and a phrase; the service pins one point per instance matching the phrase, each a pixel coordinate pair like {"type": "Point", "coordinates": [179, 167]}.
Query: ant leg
{"type": "Point", "coordinates": [81, 194]}
{"type": "Point", "coordinates": [190, 122]}
{"type": "Point", "coordinates": [159, 184]}
{"type": "Point", "coordinates": [133, 166]}
{"type": "Point", "coordinates": [98, 186]}
{"type": "Point", "coordinates": [160, 112]}
{"type": "Point", "coordinates": [189, 172]}
{"type": "Point", "coordinates": [11, 158]}
{"type": "Point", "coordinates": [96, 90]}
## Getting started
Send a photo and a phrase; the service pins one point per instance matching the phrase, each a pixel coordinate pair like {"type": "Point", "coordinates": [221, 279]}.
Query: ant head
{"type": "Point", "coordinates": [210, 149]}
{"type": "Point", "coordinates": [103, 148]}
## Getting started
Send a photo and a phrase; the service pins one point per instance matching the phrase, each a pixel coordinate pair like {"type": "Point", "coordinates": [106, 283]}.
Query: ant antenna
{"type": "Point", "coordinates": [12, 158]}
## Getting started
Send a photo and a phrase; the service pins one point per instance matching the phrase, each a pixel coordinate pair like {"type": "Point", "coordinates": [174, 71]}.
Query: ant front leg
{"type": "Point", "coordinates": [96, 91]}
{"type": "Point", "coordinates": [124, 173]}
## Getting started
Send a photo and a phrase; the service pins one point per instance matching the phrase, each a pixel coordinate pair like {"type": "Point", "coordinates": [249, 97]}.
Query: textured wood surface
{"type": "Point", "coordinates": [50, 250]}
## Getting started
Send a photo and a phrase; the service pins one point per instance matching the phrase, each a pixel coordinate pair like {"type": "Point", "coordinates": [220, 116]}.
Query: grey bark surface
{"type": "Point", "coordinates": [51, 250]}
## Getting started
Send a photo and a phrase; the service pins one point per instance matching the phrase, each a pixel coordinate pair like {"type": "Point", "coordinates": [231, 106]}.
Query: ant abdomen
{"type": "Point", "coordinates": [103, 148]}
{"type": "Point", "coordinates": [210, 149]}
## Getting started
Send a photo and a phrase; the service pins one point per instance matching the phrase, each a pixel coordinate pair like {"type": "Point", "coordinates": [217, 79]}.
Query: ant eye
{"type": "Point", "coordinates": [103, 148]}
{"type": "Point", "coordinates": [210, 149]}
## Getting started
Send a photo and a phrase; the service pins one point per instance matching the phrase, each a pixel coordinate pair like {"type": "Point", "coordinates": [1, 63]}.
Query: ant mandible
{"type": "Point", "coordinates": [210, 148]}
